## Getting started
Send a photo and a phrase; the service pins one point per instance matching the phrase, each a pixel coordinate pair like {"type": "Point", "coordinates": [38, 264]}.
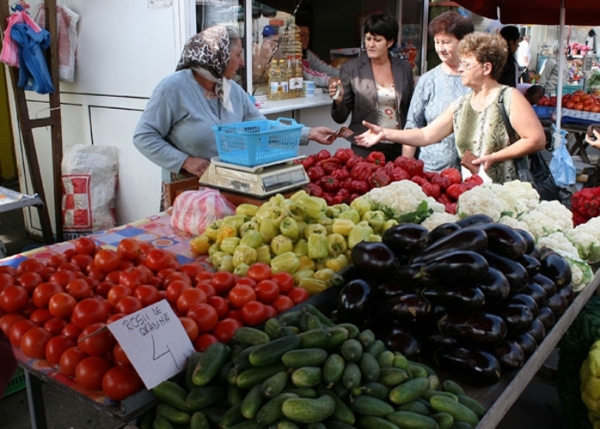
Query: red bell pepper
{"type": "Point", "coordinates": [361, 187]}
{"type": "Point", "coordinates": [329, 184]}
{"type": "Point", "coordinates": [314, 189]}
{"type": "Point", "coordinates": [376, 157]}
{"type": "Point", "coordinates": [455, 190]}
{"type": "Point", "coordinates": [353, 160]}
{"type": "Point", "coordinates": [362, 170]}
{"type": "Point", "coordinates": [344, 194]}
{"type": "Point", "coordinates": [341, 174]}
{"type": "Point", "coordinates": [343, 154]}
{"type": "Point", "coordinates": [399, 173]}
{"type": "Point", "coordinates": [431, 190]}
{"type": "Point", "coordinates": [315, 173]}
{"type": "Point", "coordinates": [380, 178]}
{"type": "Point", "coordinates": [453, 174]}
{"type": "Point", "coordinates": [309, 161]}
{"type": "Point", "coordinates": [441, 181]}
{"type": "Point", "coordinates": [323, 154]}
{"type": "Point", "coordinates": [415, 167]}
{"type": "Point", "coordinates": [474, 179]}
{"type": "Point", "coordinates": [330, 165]}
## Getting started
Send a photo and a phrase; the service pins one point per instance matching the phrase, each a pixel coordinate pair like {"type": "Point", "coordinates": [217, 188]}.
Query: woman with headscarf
{"type": "Point", "coordinates": [476, 118]}
{"type": "Point", "coordinates": [175, 130]}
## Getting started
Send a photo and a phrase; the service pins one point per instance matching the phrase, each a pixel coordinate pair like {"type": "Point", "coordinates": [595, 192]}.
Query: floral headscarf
{"type": "Point", "coordinates": [208, 54]}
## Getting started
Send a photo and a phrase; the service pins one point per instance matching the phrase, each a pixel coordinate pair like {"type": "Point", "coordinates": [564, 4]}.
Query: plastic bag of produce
{"type": "Point", "coordinates": [193, 211]}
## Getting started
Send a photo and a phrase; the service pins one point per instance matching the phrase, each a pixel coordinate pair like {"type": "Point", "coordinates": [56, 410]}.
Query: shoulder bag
{"type": "Point", "coordinates": [531, 168]}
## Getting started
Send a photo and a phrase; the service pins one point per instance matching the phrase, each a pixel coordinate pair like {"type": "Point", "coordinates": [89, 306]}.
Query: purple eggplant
{"type": "Point", "coordinates": [443, 230]}
{"type": "Point", "coordinates": [460, 297]}
{"type": "Point", "coordinates": [567, 293]}
{"type": "Point", "coordinates": [456, 266]}
{"type": "Point", "coordinates": [355, 302]}
{"type": "Point", "coordinates": [475, 219]}
{"type": "Point", "coordinates": [503, 240]}
{"type": "Point", "coordinates": [528, 239]}
{"type": "Point", "coordinates": [510, 355]}
{"type": "Point", "coordinates": [472, 239]}
{"type": "Point", "coordinates": [518, 317]}
{"type": "Point", "coordinates": [401, 340]}
{"type": "Point", "coordinates": [526, 300]}
{"type": "Point", "coordinates": [526, 342]}
{"type": "Point", "coordinates": [494, 286]}
{"type": "Point", "coordinates": [555, 267]}
{"type": "Point", "coordinates": [558, 304]}
{"type": "Point", "coordinates": [546, 283]}
{"type": "Point", "coordinates": [475, 367]}
{"type": "Point", "coordinates": [531, 264]}
{"type": "Point", "coordinates": [474, 327]}
{"type": "Point", "coordinates": [374, 259]}
{"type": "Point", "coordinates": [547, 318]}
{"type": "Point", "coordinates": [535, 291]}
{"type": "Point", "coordinates": [407, 308]}
{"type": "Point", "coordinates": [537, 331]}
{"type": "Point", "coordinates": [406, 239]}
{"type": "Point", "coordinates": [514, 272]}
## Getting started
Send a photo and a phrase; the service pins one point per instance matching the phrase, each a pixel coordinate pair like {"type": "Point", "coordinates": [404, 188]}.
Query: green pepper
{"type": "Point", "coordinates": [361, 232]}
{"type": "Point", "coordinates": [277, 199]}
{"type": "Point", "coordinates": [324, 274]}
{"type": "Point", "coordinates": [244, 255]}
{"type": "Point", "coordinates": [388, 224]}
{"type": "Point", "coordinates": [226, 230]}
{"type": "Point", "coordinates": [376, 219]}
{"type": "Point", "coordinates": [263, 254]}
{"type": "Point", "coordinates": [337, 263]}
{"type": "Point", "coordinates": [200, 244]}
{"type": "Point", "coordinates": [247, 226]}
{"type": "Point", "coordinates": [281, 244]}
{"type": "Point", "coordinates": [212, 229]}
{"type": "Point", "coordinates": [312, 207]}
{"type": "Point", "coordinates": [306, 263]}
{"type": "Point", "coordinates": [235, 220]}
{"type": "Point", "coordinates": [289, 228]}
{"type": "Point", "coordinates": [229, 244]}
{"type": "Point", "coordinates": [361, 205]}
{"type": "Point", "coordinates": [252, 238]}
{"type": "Point", "coordinates": [268, 230]}
{"type": "Point", "coordinates": [314, 228]}
{"type": "Point", "coordinates": [336, 244]}
{"type": "Point", "coordinates": [342, 226]}
{"type": "Point", "coordinates": [246, 209]}
{"type": "Point", "coordinates": [225, 264]}
{"type": "Point", "coordinates": [303, 274]}
{"type": "Point", "coordinates": [350, 214]}
{"type": "Point", "coordinates": [287, 262]}
{"type": "Point", "coordinates": [241, 270]}
{"type": "Point", "coordinates": [317, 246]}
{"type": "Point", "coordinates": [293, 210]}
{"type": "Point", "coordinates": [213, 249]}
{"type": "Point", "coordinates": [301, 247]}
{"type": "Point", "coordinates": [268, 211]}
{"type": "Point", "coordinates": [313, 286]}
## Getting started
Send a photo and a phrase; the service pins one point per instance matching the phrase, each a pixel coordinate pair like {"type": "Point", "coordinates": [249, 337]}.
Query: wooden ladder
{"type": "Point", "coordinates": [27, 124]}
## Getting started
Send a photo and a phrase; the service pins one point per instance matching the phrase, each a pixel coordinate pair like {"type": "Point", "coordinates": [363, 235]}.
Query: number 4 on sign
{"type": "Point", "coordinates": [155, 342]}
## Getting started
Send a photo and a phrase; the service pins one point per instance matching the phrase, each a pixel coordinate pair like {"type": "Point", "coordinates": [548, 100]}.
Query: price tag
{"type": "Point", "coordinates": [155, 342]}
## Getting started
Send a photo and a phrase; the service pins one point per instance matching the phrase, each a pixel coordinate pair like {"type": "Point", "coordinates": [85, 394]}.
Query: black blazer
{"type": "Point", "coordinates": [360, 93]}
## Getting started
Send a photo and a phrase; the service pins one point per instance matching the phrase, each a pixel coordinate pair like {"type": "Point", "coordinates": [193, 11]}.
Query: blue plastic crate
{"type": "Point", "coordinates": [258, 142]}
{"type": "Point", "coordinates": [544, 112]}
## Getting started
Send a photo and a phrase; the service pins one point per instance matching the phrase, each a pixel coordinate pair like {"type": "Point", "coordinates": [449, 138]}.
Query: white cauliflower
{"type": "Point", "coordinates": [521, 196]}
{"type": "Point", "coordinates": [437, 219]}
{"type": "Point", "coordinates": [581, 272]}
{"type": "Point", "coordinates": [483, 200]}
{"type": "Point", "coordinates": [586, 237]}
{"type": "Point", "coordinates": [513, 223]}
{"type": "Point", "coordinates": [404, 198]}
{"type": "Point", "coordinates": [539, 224]}
{"type": "Point", "coordinates": [559, 213]}
{"type": "Point", "coordinates": [559, 242]}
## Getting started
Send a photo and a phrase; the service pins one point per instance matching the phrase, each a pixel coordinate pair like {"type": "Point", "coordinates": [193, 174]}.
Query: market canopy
{"type": "Point", "coordinates": [541, 12]}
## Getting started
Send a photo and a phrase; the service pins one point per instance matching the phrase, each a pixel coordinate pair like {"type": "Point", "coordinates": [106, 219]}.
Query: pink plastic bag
{"type": "Point", "coordinates": [10, 51]}
{"type": "Point", "coordinates": [193, 211]}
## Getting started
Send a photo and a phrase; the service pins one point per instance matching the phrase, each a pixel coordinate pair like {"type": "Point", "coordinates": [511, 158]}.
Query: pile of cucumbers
{"type": "Point", "coordinates": [303, 371]}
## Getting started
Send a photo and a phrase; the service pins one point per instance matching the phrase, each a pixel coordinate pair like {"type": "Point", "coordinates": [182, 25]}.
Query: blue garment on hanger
{"type": "Point", "coordinates": [33, 69]}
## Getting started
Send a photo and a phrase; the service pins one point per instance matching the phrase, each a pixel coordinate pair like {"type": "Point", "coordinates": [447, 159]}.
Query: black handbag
{"type": "Point", "coordinates": [531, 168]}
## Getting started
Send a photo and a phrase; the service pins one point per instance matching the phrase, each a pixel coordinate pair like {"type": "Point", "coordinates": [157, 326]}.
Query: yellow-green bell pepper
{"type": "Point", "coordinates": [287, 262]}
{"type": "Point", "coordinates": [336, 244]}
{"type": "Point", "coordinates": [301, 247]}
{"type": "Point", "coordinates": [376, 219]}
{"type": "Point", "coordinates": [268, 230]}
{"type": "Point", "coordinates": [200, 244]}
{"type": "Point", "coordinates": [314, 228]}
{"type": "Point", "coordinates": [361, 232]}
{"type": "Point", "coordinates": [246, 209]}
{"type": "Point", "coordinates": [281, 244]}
{"type": "Point", "coordinates": [252, 238]}
{"type": "Point", "coordinates": [229, 244]}
{"type": "Point", "coordinates": [263, 254]}
{"type": "Point", "coordinates": [350, 214]}
{"type": "Point", "coordinates": [289, 228]}
{"type": "Point", "coordinates": [317, 246]}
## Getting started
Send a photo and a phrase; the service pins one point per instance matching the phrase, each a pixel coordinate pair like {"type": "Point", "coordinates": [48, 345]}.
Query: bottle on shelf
{"type": "Point", "coordinates": [274, 81]}
{"type": "Point", "coordinates": [285, 80]}
{"type": "Point", "coordinates": [298, 79]}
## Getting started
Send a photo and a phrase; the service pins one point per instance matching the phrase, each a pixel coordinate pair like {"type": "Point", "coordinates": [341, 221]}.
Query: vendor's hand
{"type": "Point", "coordinates": [485, 160]}
{"type": "Point", "coordinates": [594, 141]}
{"type": "Point", "coordinates": [196, 166]}
{"type": "Point", "coordinates": [321, 135]}
{"type": "Point", "coordinates": [336, 89]}
{"type": "Point", "coordinates": [371, 137]}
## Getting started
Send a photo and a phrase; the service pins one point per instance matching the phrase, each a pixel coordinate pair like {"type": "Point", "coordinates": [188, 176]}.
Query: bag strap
{"type": "Point", "coordinates": [512, 136]}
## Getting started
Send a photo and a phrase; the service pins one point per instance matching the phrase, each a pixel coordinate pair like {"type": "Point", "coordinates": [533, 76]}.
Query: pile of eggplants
{"type": "Point", "coordinates": [476, 296]}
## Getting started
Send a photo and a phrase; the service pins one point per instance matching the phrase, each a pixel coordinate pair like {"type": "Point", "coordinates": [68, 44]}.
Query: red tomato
{"type": "Point", "coordinates": [220, 304]}
{"type": "Point", "coordinates": [146, 294]}
{"type": "Point", "coordinates": [13, 298]}
{"type": "Point", "coordinates": [240, 295]}
{"type": "Point", "coordinates": [113, 276]}
{"type": "Point", "coordinates": [82, 260]}
{"type": "Point", "coordinates": [259, 271]}
{"type": "Point", "coordinates": [157, 259]}
{"type": "Point", "coordinates": [55, 347]}
{"type": "Point", "coordinates": [205, 316]}
{"type": "Point", "coordinates": [267, 291]}
{"type": "Point", "coordinates": [79, 289]}
{"type": "Point", "coordinates": [223, 281]}
{"type": "Point", "coordinates": [116, 293]}
{"type": "Point", "coordinates": [207, 287]}
{"type": "Point", "coordinates": [88, 311]}
{"type": "Point", "coordinates": [7, 321]}
{"type": "Point", "coordinates": [225, 329]}
{"type": "Point", "coordinates": [85, 245]}
{"type": "Point", "coordinates": [96, 339]}
{"type": "Point", "coordinates": [107, 260]}
{"type": "Point", "coordinates": [192, 269]}
{"type": "Point", "coordinates": [31, 265]}
{"type": "Point", "coordinates": [203, 275]}
{"type": "Point", "coordinates": [6, 280]}
{"type": "Point", "coordinates": [174, 290]}
{"type": "Point", "coordinates": [188, 298]}
{"type": "Point", "coordinates": [120, 382]}
{"type": "Point", "coordinates": [55, 261]}
{"type": "Point", "coordinates": [69, 266]}
{"type": "Point", "coordinates": [120, 356]}
{"type": "Point", "coordinates": [7, 269]}
{"type": "Point", "coordinates": [71, 330]}
{"type": "Point", "coordinates": [18, 330]}
{"type": "Point", "coordinates": [103, 288]}
{"type": "Point", "coordinates": [89, 372]}
{"type": "Point", "coordinates": [298, 295]}
{"type": "Point", "coordinates": [43, 292]}
{"type": "Point", "coordinates": [30, 280]}
{"type": "Point", "coordinates": [270, 310]}
{"type": "Point", "coordinates": [282, 303]}
{"type": "Point", "coordinates": [129, 249]}
{"type": "Point", "coordinates": [246, 281]}
{"type": "Point", "coordinates": [190, 326]}
{"type": "Point", "coordinates": [132, 278]}
{"type": "Point", "coordinates": [61, 305]}
{"type": "Point", "coordinates": [70, 359]}
{"type": "Point", "coordinates": [128, 305]}
{"type": "Point", "coordinates": [55, 325]}
{"type": "Point", "coordinates": [62, 277]}
{"type": "Point", "coordinates": [177, 275]}
{"type": "Point", "coordinates": [203, 341]}
{"type": "Point", "coordinates": [235, 314]}
{"type": "Point", "coordinates": [254, 313]}
{"type": "Point", "coordinates": [284, 280]}
{"type": "Point", "coordinates": [39, 316]}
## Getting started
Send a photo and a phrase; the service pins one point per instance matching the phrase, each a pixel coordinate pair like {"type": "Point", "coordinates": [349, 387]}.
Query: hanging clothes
{"type": "Point", "coordinates": [33, 69]}
{"type": "Point", "coordinates": [66, 21]}
{"type": "Point", "coordinates": [10, 54]}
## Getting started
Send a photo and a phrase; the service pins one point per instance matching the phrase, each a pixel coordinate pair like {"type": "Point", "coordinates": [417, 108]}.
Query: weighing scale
{"type": "Point", "coordinates": [258, 181]}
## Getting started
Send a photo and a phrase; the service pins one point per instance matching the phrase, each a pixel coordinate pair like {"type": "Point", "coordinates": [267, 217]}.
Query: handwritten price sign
{"type": "Point", "coordinates": [155, 342]}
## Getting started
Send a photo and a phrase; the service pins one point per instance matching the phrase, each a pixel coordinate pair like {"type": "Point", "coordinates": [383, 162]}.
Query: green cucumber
{"type": "Point", "coordinates": [333, 369]}
{"type": "Point", "coordinates": [272, 410]}
{"type": "Point", "coordinates": [210, 363]}
{"type": "Point", "coordinates": [171, 393]}
{"type": "Point", "coordinates": [307, 376]}
{"type": "Point", "coordinates": [444, 420]}
{"type": "Point", "coordinates": [235, 395]}
{"type": "Point", "coordinates": [431, 393]}
{"type": "Point", "coordinates": [369, 366]}
{"type": "Point", "coordinates": [462, 425]}
{"type": "Point", "coordinates": [419, 369]}
{"type": "Point", "coordinates": [172, 414]}
{"type": "Point", "coordinates": [434, 382]}
{"type": "Point", "coordinates": [204, 396]}
{"type": "Point", "coordinates": [473, 404]}
{"type": "Point", "coordinates": [353, 331]}
{"type": "Point", "coordinates": [251, 336]}
{"type": "Point", "coordinates": [248, 424]}
{"type": "Point", "coordinates": [271, 352]}
{"type": "Point", "coordinates": [452, 387]}
{"type": "Point", "coordinates": [385, 359]}
{"type": "Point", "coordinates": [325, 321]}
{"type": "Point", "coordinates": [190, 365]}
{"type": "Point", "coordinates": [376, 389]}
{"type": "Point", "coordinates": [376, 348]}
{"type": "Point", "coordinates": [373, 422]}
{"type": "Point", "coordinates": [391, 377]}
{"type": "Point", "coordinates": [409, 390]}
{"type": "Point", "coordinates": [415, 406]}
{"type": "Point", "coordinates": [351, 350]}
{"type": "Point", "coordinates": [256, 375]}
{"type": "Point", "coordinates": [199, 421]}
{"type": "Point", "coordinates": [352, 375]}
{"type": "Point", "coordinates": [460, 412]}
{"type": "Point", "coordinates": [272, 327]}
{"type": "Point", "coordinates": [306, 410]}
{"type": "Point", "coordinates": [252, 402]}
{"type": "Point", "coordinates": [161, 423]}
{"type": "Point", "coordinates": [290, 318]}
{"type": "Point", "coordinates": [275, 384]}
{"type": "Point", "coordinates": [410, 420]}
{"type": "Point", "coordinates": [371, 406]}
{"type": "Point", "coordinates": [232, 416]}
{"type": "Point", "coordinates": [325, 338]}
{"type": "Point", "coordinates": [310, 321]}
{"type": "Point", "coordinates": [366, 337]}
{"type": "Point", "coordinates": [241, 359]}
{"type": "Point", "coordinates": [302, 392]}
{"type": "Point", "coordinates": [302, 357]}
{"type": "Point", "coordinates": [286, 424]}
{"type": "Point", "coordinates": [342, 412]}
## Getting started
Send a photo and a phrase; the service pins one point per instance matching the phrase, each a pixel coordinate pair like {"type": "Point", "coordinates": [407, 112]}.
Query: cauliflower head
{"type": "Point", "coordinates": [483, 200]}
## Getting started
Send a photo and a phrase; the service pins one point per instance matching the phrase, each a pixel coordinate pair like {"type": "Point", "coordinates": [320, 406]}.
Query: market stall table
{"type": "Point", "coordinates": [156, 230]}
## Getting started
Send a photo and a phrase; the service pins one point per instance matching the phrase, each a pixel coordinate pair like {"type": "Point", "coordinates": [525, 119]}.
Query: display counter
{"type": "Point", "coordinates": [270, 107]}
{"type": "Point", "coordinates": [157, 230]}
